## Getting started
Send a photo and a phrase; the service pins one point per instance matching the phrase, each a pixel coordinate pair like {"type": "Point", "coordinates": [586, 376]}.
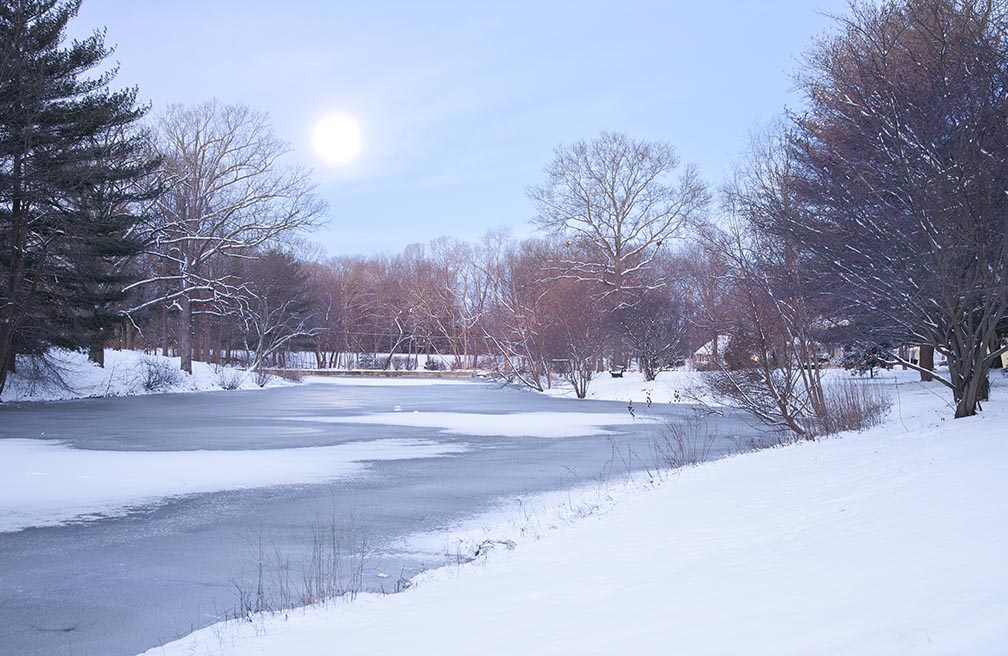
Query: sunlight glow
{"type": "Point", "coordinates": [337, 139]}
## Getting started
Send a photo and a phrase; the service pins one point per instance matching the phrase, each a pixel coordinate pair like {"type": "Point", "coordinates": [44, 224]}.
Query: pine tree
{"type": "Point", "coordinates": [70, 164]}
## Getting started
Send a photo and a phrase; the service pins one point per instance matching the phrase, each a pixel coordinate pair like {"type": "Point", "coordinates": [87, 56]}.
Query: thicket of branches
{"type": "Point", "coordinates": [900, 176]}
{"type": "Point", "coordinates": [497, 304]}
{"type": "Point", "coordinates": [875, 219]}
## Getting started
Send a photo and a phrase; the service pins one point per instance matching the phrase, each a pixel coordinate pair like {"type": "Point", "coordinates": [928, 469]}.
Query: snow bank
{"type": "Point", "coordinates": [380, 381]}
{"type": "Point", "coordinates": [887, 542]}
{"type": "Point", "coordinates": [45, 483]}
{"type": "Point", "coordinates": [684, 386]}
{"type": "Point", "coordinates": [667, 387]}
{"type": "Point", "coordinates": [517, 424]}
{"type": "Point", "coordinates": [126, 373]}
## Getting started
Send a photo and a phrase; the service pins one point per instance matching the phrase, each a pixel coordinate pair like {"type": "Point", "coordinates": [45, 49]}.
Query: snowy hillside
{"type": "Point", "coordinates": [886, 542]}
{"type": "Point", "coordinates": [70, 375]}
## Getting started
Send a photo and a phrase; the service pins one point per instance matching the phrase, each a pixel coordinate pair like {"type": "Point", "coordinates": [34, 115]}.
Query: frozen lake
{"type": "Point", "coordinates": [127, 521]}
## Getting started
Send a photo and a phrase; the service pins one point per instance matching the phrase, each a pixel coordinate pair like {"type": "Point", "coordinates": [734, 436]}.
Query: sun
{"type": "Point", "coordinates": [337, 139]}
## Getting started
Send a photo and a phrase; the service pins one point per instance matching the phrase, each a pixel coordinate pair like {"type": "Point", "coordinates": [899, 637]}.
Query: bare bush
{"type": "Point", "coordinates": [262, 377]}
{"type": "Point", "coordinates": [852, 405]}
{"type": "Point", "coordinates": [158, 375]}
{"type": "Point", "coordinates": [330, 566]}
{"type": "Point", "coordinates": [42, 372]}
{"type": "Point", "coordinates": [229, 378]}
{"type": "Point", "coordinates": [777, 398]}
{"type": "Point", "coordinates": [848, 404]}
{"type": "Point", "coordinates": [334, 566]}
{"type": "Point", "coordinates": [685, 442]}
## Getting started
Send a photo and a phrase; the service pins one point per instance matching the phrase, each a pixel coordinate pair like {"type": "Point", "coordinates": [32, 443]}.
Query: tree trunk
{"type": "Point", "coordinates": [966, 404]}
{"type": "Point", "coordinates": [164, 330]}
{"type": "Point", "coordinates": [208, 340]}
{"type": "Point", "coordinates": [925, 360]}
{"type": "Point", "coordinates": [96, 346]}
{"type": "Point", "coordinates": [997, 363]}
{"type": "Point", "coordinates": [185, 334]}
{"type": "Point", "coordinates": [195, 332]}
{"type": "Point", "coordinates": [8, 358]}
{"type": "Point", "coordinates": [131, 334]}
{"type": "Point", "coordinates": [96, 354]}
{"type": "Point", "coordinates": [649, 368]}
{"type": "Point", "coordinates": [970, 383]}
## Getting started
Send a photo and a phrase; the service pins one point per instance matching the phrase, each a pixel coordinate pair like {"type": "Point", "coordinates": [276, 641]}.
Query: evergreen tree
{"type": "Point", "coordinates": [70, 164]}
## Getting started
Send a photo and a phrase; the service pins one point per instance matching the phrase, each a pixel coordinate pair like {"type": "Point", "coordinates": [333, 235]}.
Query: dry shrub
{"type": "Point", "coordinates": [684, 442]}
{"type": "Point", "coordinates": [158, 375]}
{"type": "Point", "coordinates": [852, 405]}
{"type": "Point", "coordinates": [43, 372]}
{"type": "Point", "coordinates": [229, 378]}
{"type": "Point", "coordinates": [330, 565]}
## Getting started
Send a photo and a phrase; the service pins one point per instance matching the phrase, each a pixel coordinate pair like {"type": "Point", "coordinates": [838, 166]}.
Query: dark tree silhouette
{"type": "Point", "coordinates": [68, 161]}
{"type": "Point", "coordinates": [901, 175]}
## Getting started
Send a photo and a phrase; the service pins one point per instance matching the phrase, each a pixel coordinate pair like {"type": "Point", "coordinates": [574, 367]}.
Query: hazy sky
{"type": "Point", "coordinates": [461, 103]}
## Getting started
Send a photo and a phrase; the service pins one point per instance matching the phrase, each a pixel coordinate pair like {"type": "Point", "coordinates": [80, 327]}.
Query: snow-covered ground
{"type": "Point", "coordinates": [886, 542]}
{"type": "Point", "coordinates": [382, 381]}
{"type": "Point", "coordinates": [679, 386]}
{"type": "Point", "coordinates": [45, 483]}
{"type": "Point", "coordinates": [70, 375]}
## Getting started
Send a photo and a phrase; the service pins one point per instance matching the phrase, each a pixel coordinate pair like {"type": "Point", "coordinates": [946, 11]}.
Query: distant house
{"type": "Point", "coordinates": [710, 353]}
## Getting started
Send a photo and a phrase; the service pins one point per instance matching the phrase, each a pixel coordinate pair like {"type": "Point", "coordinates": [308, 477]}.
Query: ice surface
{"type": "Point", "coordinates": [518, 424]}
{"type": "Point", "coordinates": [45, 483]}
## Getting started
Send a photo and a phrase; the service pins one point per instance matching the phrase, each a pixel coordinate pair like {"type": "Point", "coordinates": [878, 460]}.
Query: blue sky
{"type": "Point", "coordinates": [462, 103]}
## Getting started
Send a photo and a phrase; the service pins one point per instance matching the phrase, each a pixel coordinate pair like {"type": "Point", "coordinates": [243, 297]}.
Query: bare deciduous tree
{"type": "Point", "coordinates": [771, 366]}
{"type": "Point", "coordinates": [515, 325]}
{"type": "Point", "coordinates": [575, 337]}
{"type": "Point", "coordinates": [229, 193]}
{"type": "Point", "coordinates": [655, 328]}
{"type": "Point", "coordinates": [901, 166]}
{"type": "Point", "coordinates": [617, 196]}
{"type": "Point", "coordinates": [275, 305]}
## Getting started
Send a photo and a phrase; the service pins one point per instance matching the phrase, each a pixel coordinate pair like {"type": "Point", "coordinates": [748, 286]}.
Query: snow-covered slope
{"type": "Point", "coordinates": [887, 542]}
{"type": "Point", "coordinates": [70, 375]}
